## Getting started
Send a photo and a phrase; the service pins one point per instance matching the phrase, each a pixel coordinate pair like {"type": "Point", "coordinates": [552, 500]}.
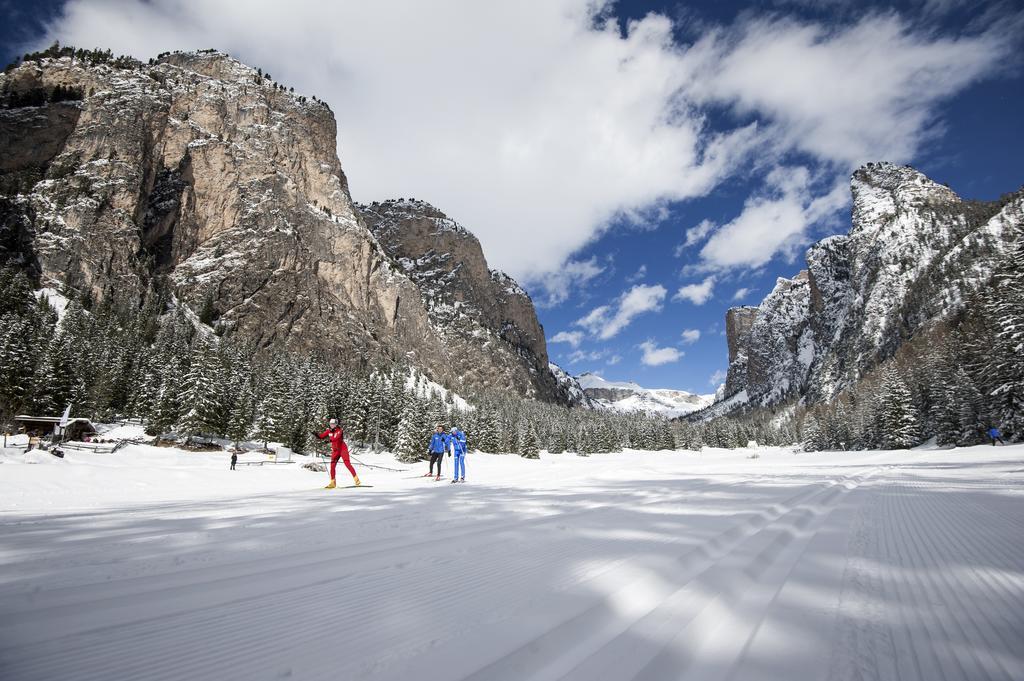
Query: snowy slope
{"type": "Point", "coordinates": [644, 566]}
{"type": "Point", "coordinates": [629, 396]}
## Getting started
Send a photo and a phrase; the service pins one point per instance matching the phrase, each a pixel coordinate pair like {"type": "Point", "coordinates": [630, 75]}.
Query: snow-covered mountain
{"type": "Point", "coordinates": [570, 387]}
{"type": "Point", "coordinates": [914, 254]}
{"type": "Point", "coordinates": [629, 396]}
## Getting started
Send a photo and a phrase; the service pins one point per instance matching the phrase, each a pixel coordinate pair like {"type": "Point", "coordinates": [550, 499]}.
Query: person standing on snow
{"type": "Point", "coordinates": [339, 450]}
{"type": "Point", "coordinates": [234, 459]}
{"type": "Point", "coordinates": [437, 448]}
{"type": "Point", "coordinates": [996, 436]}
{"type": "Point", "coordinates": [458, 450]}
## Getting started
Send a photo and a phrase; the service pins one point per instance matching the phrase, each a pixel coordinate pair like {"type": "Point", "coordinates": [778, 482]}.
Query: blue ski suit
{"type": "Point", "coordinates": [438, 443]}
{"type": "Point", "coordinates": [458, 444]}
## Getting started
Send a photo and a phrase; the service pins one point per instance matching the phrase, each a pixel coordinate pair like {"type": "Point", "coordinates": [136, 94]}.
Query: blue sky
{"type": "Point", "coordinates": [585, 147]}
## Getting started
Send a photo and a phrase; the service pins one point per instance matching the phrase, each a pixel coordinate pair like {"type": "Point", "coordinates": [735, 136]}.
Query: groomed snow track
{"type": "Point", "coordinates": [879, 566]}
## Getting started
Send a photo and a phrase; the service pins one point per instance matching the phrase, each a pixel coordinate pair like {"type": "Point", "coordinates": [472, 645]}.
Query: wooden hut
{"type": "Point", "coordinates": [44, 426]}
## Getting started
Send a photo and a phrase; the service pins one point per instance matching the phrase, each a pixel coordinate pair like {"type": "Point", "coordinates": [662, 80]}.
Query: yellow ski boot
{"type": "Point", "coordinates": [356, 478]}
{"type": "Point", "coordinates": [331, 484]}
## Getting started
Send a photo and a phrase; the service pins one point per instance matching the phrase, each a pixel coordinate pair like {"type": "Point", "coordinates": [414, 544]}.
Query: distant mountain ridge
{"type": "Point", "coordinates": [630, 397]}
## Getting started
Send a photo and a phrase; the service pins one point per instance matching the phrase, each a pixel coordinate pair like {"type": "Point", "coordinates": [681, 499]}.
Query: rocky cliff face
{"type": "Point", "coordinates": [914, 253]}
{"type": "Point", "coordinates": [196, 173]}
{"type": "Point", "coordinates": [487, 322]}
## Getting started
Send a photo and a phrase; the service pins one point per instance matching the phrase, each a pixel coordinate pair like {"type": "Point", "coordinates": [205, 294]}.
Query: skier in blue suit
{"type": "Point", "coordinates": [458, 450]}
{"type": "Point", "coordinates": [995, 436]}
{"type": "Point", "coordinates": [439, 444]}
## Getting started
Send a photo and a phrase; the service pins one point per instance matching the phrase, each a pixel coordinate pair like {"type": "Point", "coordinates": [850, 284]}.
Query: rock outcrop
{"type": "Point", "coordinates": [197, 173]}
{"type": "Point", "coordinates": [915, 252]}
{"type": "Point", "coordinates": [486, 321]}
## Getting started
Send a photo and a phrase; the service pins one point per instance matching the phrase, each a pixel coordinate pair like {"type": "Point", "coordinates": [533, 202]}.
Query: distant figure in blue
{"type": "Point", "coordinates": [437, 448]}
{"type": "Point", "coordinates": [994, 433]}
{"type": "Point", "coordinates": [457, 441]}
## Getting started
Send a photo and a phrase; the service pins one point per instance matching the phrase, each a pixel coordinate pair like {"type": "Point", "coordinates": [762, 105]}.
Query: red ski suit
{"type": "Point", "coordinates": [339, 450]}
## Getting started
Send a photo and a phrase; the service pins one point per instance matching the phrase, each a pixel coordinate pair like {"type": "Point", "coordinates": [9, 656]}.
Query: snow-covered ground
{"type": "Point", "coordinates": [159, 564]}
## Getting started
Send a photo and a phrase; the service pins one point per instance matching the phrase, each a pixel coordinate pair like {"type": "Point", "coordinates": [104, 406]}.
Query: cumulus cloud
{"type": "Point", "coordinates": [559, 284]}
{"type": "Point", "coordinates": [773, 223]}
{"type": "Point", "coordinates": [691, 336]}
{"type": "Point", "coordinates": [862, 92]}
{"type": "Point", "coordinates": [640, 273]}
{"type": "Point", "coordinates": [741, 293]}
{"type": "Point", "coordinates": [573, 338]}
{"type": "Point", "coordinates": [654, 356]}
{"type": "Point", "coordinates": [698, 294]}
{"type": "Point", "coordinates": [606, 321]}
{"type": "Point", "coordinates": [613, 360]}
{"type": "Point", "coordinates": [717, 378]}
{"type": "Point", "coordinates": [585, 356]}
{"type": "Point", "coordinates": [695, 235]}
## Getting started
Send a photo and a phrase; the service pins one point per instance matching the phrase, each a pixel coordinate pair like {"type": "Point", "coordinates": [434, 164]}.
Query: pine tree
{"type": "Point", "coordinates": [528, 446]}
{"type": "Point", "coordinates": [897, 416]}
{"type": "Point", "coordinates": [17, 363]}
{"type": "Point", "coordinates": [203, 398]}
{"type": "Point", "coordinates": [410, 440]}
{"type": "Point", "coordinates": [167, 406]}
{"type": "Point", "coordinates": [240, 419]}
{"type": "Point", "coordinates": [272, 411]}
{"type": "Point", "coordinates": [812, 436]}
{"type": "Point", "coordinates": [56, 383]}
{"type": "Point", "coordinates": [970, 409]}
{"type": "Point", "coordinates": [1006, 309]}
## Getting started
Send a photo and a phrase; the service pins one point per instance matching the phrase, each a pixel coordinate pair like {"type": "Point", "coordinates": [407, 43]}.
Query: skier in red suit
{"type": "Point", "coordinates": [339, 450]}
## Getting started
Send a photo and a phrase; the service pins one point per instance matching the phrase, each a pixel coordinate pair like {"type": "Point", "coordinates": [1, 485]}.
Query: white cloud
{"type": "Point", "coordinates": [776, 222]}
{"type": "Point", "coordinates": [534, 123]}
{"type": "Point", "coordinates": [654, 356]}
{"type": "Point", "coordinates": [717, 378]}
{"type": "Point", "coordinates": [741, 293]}
{"type": "Point", "coordinates": [613, 360]}
{"type": "Point", "coordinates": [698, 294]}
{"type": "Point", "coordinates": [863, 92]}
{"type": "Point", "coordinates": [638, 275]}
{"type": "Point", "coordinates": [691, 336]}
{"type": "Point", "coordinates": [695, 235]}
{"type": "Point", "coordinates": [573, 338]}
{"type": "Point", "coordinates": [605, 323]}
{"type": "Point", "coordinates": [559, 284]}
{"type": "Point", "coordinates": [584, 356]}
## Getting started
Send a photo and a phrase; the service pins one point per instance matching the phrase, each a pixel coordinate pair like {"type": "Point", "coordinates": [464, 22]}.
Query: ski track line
{"type": "Point", "coordinates": [863, 648]}
{"type": "Point", "coordinates": [981, 641]}
{"type": "Point", "coordinates": [92, 650]}
{"type": "Point", "coordinates": [943, 645]}
{"type": "Point", "coordinates": [941, 631]}
{"type": "Point", "coordinates": [712, 643]}
{"type": "Point", "coordinates": [560, 651]}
